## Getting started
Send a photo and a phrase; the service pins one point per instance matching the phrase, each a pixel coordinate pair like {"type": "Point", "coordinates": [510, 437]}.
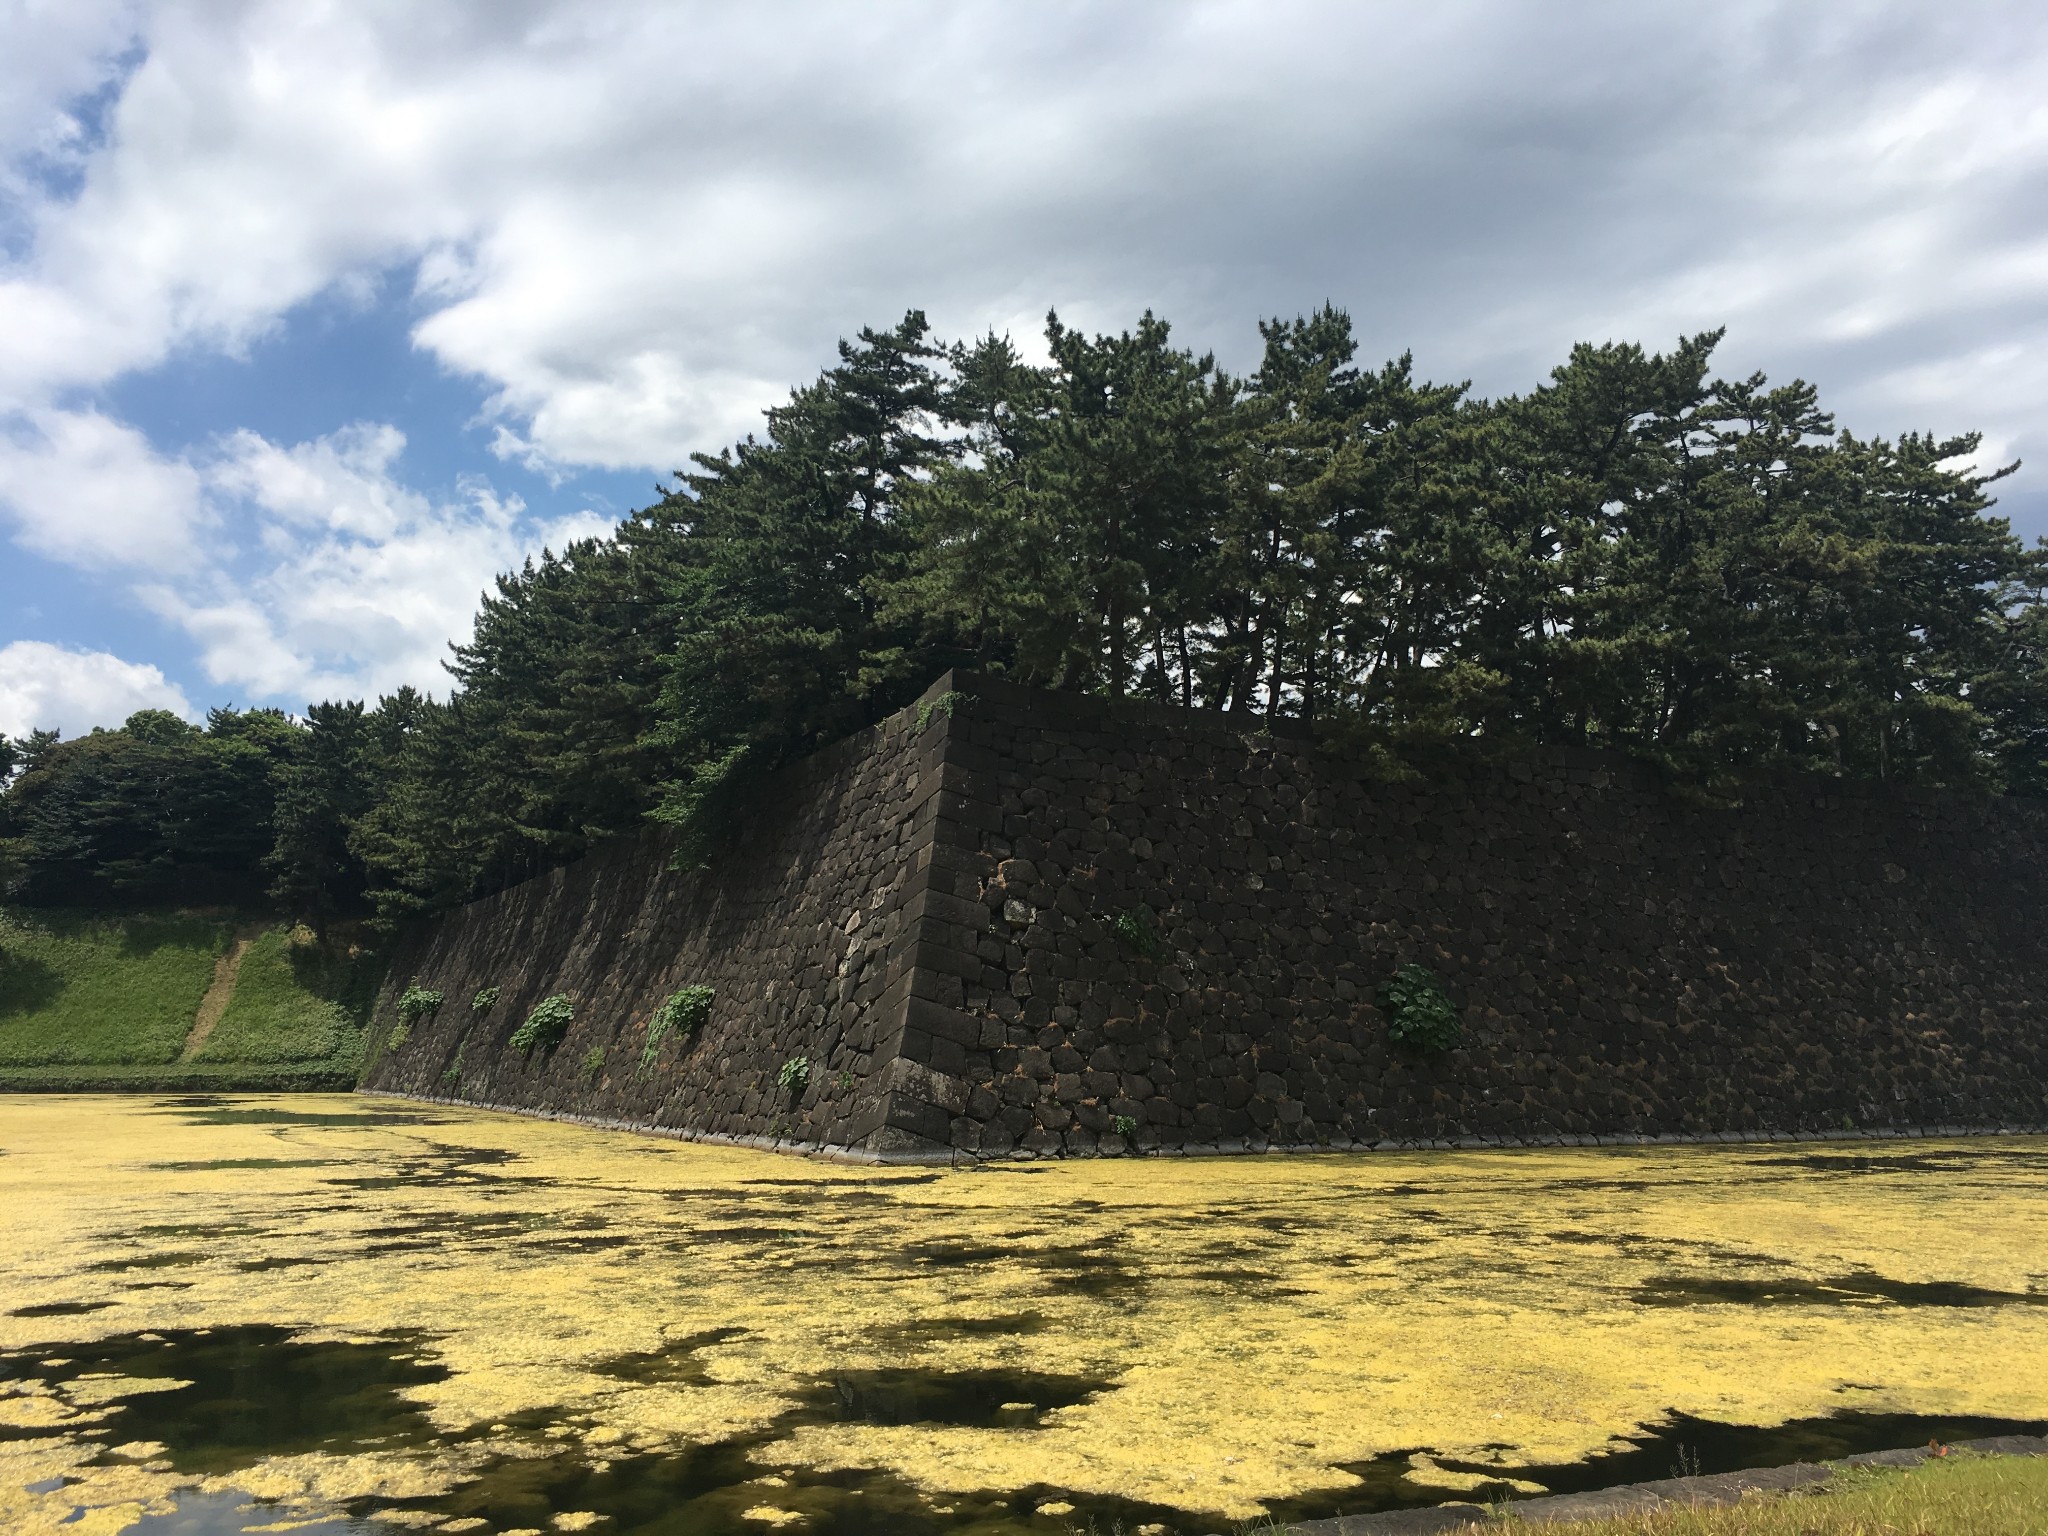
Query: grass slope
{"type": "Point", "coordinates": [107, 1001]}
{"type": "Point", "coordinates": [79, 988]}
{"type": "Point", "coordinates": [295, 1003]}
{"type": "Point", "coordinates": [1958, 1496]}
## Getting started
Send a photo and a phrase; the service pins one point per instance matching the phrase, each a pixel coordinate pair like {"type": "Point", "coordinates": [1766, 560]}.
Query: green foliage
{"type": "Point", "coordinates": [400, 1033]}
{"type": "Point", "coordinates": [944, 704]}
{"type": "Point", "coordinates": [77, 988]}
{"type": "Point", "coordinates": [1703, 572]}
{"type": "Point", "coordinates": [683, 1013]}
{"type": "Point", "coordinates": [593, 1062]}
{"type": "Point", "coordinates": [1419, 1013]}
{"type": "Point", "coordinates": [417, 1002]}
{"type": "Point", "coordinates": [1134, 930]}
{"type": "Point", "coordinates": [794, 1075]}
{"type": "Point", "coordinates": [1124, 1125]}
{"type": "Point", "coordinates": [453, 1073]}
{"type": "Point", "coordinates": [546, 1025]}
{"type": "Point", "coordinates": [322, 788]}
{"type": "Point", "coordinates": [156, 810]}
{"type": "Point", "coordinates": [485, 1000]}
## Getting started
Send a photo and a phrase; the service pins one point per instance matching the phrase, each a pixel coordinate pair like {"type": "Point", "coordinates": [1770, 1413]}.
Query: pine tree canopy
{"type": "Point", "coordinates": [1702, 572]}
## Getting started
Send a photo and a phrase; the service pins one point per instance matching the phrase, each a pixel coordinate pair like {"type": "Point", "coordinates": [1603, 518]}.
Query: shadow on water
{"type": "Point", "coordinates": [985, 1399]}
{"type": "Point", "coordinates": [210, 1109]}
{"type": "Point", "coordinates": [1680, 1445]}
{"type": "Point", "coordinates": [247, 1393]}
{"type": "Point", "coordinates": [238, 1163]}
{"type": "Point", "coordinates": [1865, 1289]}
{"type": "Point", "coordinates": [170, 1260]}
{"type": "Point", "coordinates": [678, 1363]}
{"type": "Point", "coordinates": [922, 1332]}
{"type": "Point", "coordinates": [229, 1514]}
{"type": "Point", "coordinates": [722, 1490]}
{"type": "Point", "coordinates": [60, 1308]}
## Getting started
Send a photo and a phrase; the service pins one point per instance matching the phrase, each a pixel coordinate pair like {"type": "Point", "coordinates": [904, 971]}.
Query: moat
{"type": "Point", "coordinates": [224, 1314]}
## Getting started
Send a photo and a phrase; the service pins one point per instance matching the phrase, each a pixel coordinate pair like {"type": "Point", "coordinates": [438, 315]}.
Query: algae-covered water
{"type": "Point", "coordinates": [234, 1314]}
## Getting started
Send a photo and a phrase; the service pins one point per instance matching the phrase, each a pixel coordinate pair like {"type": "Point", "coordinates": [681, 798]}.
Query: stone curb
{"type": "Point", "coordinates": [954, 1157]}
{"type": "Point", "coordinates": [1720, 1489]}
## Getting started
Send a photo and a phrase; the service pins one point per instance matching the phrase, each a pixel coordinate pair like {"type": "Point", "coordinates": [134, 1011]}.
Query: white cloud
{"type": "Point", "coordinates": [349, 582]}
{"type": "Point", "coordinates": [633, 226]}
{"type": "Point", "coordinates": [637, 225]}
{"type": "Point", "coordinates": [91, 491]}
{"type": "Point", "coordinates": [320, 573]}
{"type": "Point", "coordinates": [51, 688]}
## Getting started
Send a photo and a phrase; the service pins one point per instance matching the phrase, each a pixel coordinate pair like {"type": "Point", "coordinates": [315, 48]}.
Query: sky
{"type": "Point", "coordinates": [314, 317]}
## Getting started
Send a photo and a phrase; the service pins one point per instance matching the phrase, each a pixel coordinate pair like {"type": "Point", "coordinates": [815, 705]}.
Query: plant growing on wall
{"type": "Point", "coordinates": [485, 1000]}
{"type": "Point", "coordinates": [1419, 1012]}
{"type": "Point", "coordinates": [1124, 1125]}
{"type": "Point", "coordinates": [944, 704]}
{"type": "Point", "coordinates": [795, 1073]}
{"type": "Point", "coordinates": [417, 1003]}
{"type": "Point", "coordinates": [545, 1026]}
{"type": "Point", "coordinates": [682, 1014]}
{"type": "Point", "coordinates": [1134, 930]}
{"type": "Point", "coordinates": [593, 1062]}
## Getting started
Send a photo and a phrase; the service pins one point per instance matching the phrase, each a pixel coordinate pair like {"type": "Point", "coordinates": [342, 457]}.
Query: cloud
{"type": "Point", "coordinates": [632, 227]}
{"type": "Point", "coordinates": [347, 582]}
{"type": "Point", "coordinates": [320, 572]}
{"type": "Point", "coordinates": [636, 226]}
{"type": "Point", "coordinates": [48, 687]}
{"type": "Point", "coordinates": [91, 491]}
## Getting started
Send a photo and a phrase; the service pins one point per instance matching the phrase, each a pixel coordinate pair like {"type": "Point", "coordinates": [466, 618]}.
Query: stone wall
{"type": "Point", "coordinates": [927, 913]}
{"type": "Point", "coordinates": [798, 929]}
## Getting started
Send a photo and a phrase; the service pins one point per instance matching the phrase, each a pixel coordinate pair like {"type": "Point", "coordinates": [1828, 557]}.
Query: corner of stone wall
{"type": "Point", "coordinates": [924, 1036]}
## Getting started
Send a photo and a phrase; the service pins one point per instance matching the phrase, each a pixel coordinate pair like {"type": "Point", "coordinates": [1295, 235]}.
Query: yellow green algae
{"type": "Point", "coordinates": [1218, 1334]}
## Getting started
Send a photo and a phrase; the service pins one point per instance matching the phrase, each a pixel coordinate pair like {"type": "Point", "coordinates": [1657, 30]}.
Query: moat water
{"type": "Point", "coordinates": [333, 1314]}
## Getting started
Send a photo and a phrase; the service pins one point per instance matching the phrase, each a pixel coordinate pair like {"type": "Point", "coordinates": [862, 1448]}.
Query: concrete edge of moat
{"type": "Point", "coordinates": [953, 1157]}
{"type": "Point", "coordinates": [1715, 1490]}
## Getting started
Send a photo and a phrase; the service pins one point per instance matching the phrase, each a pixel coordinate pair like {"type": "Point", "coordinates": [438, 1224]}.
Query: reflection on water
{"type": "Point", "coordinates": [227, 1312]}
{"type": "Point", "coordinates": [219, 1399]}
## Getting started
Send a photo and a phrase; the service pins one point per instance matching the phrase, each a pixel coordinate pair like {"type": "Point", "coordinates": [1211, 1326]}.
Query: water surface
{"type": "Point", "coordinates": [222, 1314]}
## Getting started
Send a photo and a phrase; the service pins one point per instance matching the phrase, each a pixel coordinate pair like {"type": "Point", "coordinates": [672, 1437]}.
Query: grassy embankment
{"type": "Point", "coordinates": [1957, 1496]}
{"type": "Point", "coordinates": [92, 1001]}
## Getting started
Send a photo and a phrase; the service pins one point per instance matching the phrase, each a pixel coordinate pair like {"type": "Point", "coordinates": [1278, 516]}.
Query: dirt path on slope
{"type": "Point", "coordinates": [219, 993]}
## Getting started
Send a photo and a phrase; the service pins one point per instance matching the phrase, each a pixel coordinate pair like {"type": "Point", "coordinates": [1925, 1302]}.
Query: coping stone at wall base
{"type": "Point", "coordinates": [891, 1146]}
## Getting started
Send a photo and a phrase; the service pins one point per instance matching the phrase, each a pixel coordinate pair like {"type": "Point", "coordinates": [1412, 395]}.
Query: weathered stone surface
{"type": "Point", "coordinates": [930, 919]}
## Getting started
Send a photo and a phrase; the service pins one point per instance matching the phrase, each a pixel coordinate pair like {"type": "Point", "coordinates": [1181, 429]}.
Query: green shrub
{"type": "Point", "coordinates": [417, 1003]}
{"type": "Point", "coordinates": [1124, 1126]}
{"type": "Point", "coordinates": [795, 1073]}
{"type": "Point", "coordinates": [484, 1001]}
{"type": "Point", "coordinates": [593, 1062]}
{"type": "Point", "coordinates": [400, 1033]}
{"type": "Point", "coordinates": [545, 1026]}
{"type": "Point", "coordinates": [1419, 1012]}
{"type": "Point", "coordinates": [1134, 930]}
{"type": "Point", "coordinates": [944, 704]}
{"type": "Point", "coordinates": [454, 1072]}
{"type": "Point", "coordinates": [682, 1014]}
